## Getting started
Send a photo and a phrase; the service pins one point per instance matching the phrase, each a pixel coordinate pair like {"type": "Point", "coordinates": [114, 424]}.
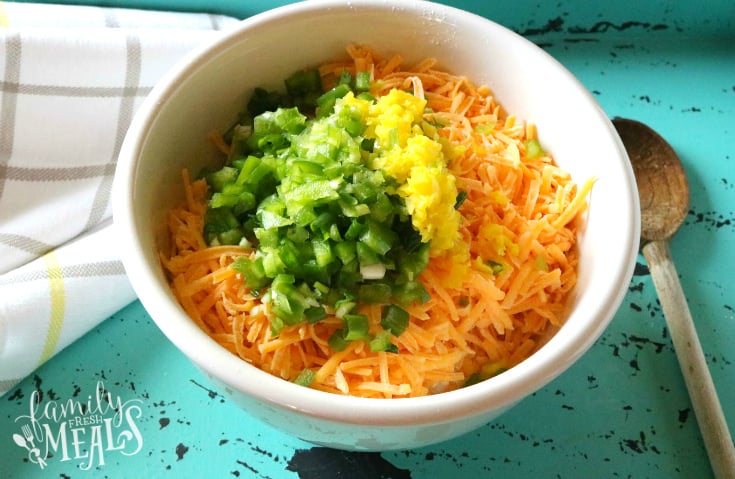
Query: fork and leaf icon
{"type": "Point", "coordinates": [27, 441]}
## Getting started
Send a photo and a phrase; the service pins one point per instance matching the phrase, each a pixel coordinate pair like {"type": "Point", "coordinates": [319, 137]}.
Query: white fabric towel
{"type": "Point", "coordinates": [71, 79]}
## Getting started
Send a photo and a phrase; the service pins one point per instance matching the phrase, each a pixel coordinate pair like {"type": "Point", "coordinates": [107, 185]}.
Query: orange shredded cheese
{"type": "Point", "coordinates": [521, 214]}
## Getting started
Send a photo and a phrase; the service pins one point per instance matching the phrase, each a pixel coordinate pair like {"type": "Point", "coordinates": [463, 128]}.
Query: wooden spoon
{"type": "Point", "coordinates": [664, 198]}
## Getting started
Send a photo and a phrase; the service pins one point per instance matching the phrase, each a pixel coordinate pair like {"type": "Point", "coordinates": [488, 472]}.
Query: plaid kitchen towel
{"type": "Point", "coordinates": [71, 78]}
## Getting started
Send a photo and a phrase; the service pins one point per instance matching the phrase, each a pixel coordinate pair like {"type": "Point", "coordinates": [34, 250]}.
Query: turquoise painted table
{"type": "Point", "coordinates": [622, 411]}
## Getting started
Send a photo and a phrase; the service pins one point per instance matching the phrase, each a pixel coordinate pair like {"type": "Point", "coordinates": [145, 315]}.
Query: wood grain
{"type": "Point", "coordinates": [663, 188]}
{"type": "Point", "coordinates": [702, 392]}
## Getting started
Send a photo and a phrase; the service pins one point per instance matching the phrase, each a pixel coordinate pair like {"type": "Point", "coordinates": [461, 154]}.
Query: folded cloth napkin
{"type": "Point", "coordinates": [71, 78]}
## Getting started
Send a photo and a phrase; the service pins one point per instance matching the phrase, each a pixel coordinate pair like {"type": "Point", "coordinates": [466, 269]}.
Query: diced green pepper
{"type": "Point", "coordinates": [362, 81]}
{"type": "Point", "coordinates": [322, 251]}
{"type": "Point", "coordinates": [303, 82]}
{"type": "Point", "coordinates": [461, 198]}
{"type": "Point", "coordinates": [337, 341]}
{"type": "Point", "coordinates": [534, 149]}
{"type": "Point", "coordinates": [325, 103]}
{"type": "Point", "coordinates": [346, 251]}
{"type": "Point", "coordinates": [357, 326]}
{"type": "Point", "coordinates": [315, 314]}
{"type": "Point", "coordinates": [375, 293]}
{"type": "Point", "coordinates": [345, 78]}
{"type": "Point", "coordinates": [382, 342]}
{"type": "Point", "coordinates": [263, 100]}
{"type": "Point", "coordinates": [329, 232]}
{"type": "Point", "coordinates": [366, 256]}
{"type": "Point", "coordinates": [394, 319]}
{"type": "Point", "coordinates": [218, 179]}
{"type": "Point", "coordinates": [496, 267]}
{"type": "Point", "coordinates": [378, 237]}
{"type": "Point", "coordinates": [305, 378]}
{"type": "Point", "coordinates": [252, 270]}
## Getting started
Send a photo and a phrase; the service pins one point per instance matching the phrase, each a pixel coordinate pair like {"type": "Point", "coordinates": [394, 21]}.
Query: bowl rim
{"type": "Point", "coordinates": [498, 392]}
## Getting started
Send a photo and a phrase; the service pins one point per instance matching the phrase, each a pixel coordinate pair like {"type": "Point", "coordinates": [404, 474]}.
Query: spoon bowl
{"type": "Point", "coordinates": [662, 183]}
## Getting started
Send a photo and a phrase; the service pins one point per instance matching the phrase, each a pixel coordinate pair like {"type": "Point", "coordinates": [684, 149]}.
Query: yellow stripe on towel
{"type": "Point", "coordinates": [58, 305]}
{"type": "Point", "coordinates": [4, 22]}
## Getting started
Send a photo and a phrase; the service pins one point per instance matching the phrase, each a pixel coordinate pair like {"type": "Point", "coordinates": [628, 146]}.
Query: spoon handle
{"type": "Point", "coordinates": [712, 423]}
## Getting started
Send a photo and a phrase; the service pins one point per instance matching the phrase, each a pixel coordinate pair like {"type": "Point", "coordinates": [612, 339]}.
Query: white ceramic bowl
{"type": "Point", "coordinates": [206, 91]}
